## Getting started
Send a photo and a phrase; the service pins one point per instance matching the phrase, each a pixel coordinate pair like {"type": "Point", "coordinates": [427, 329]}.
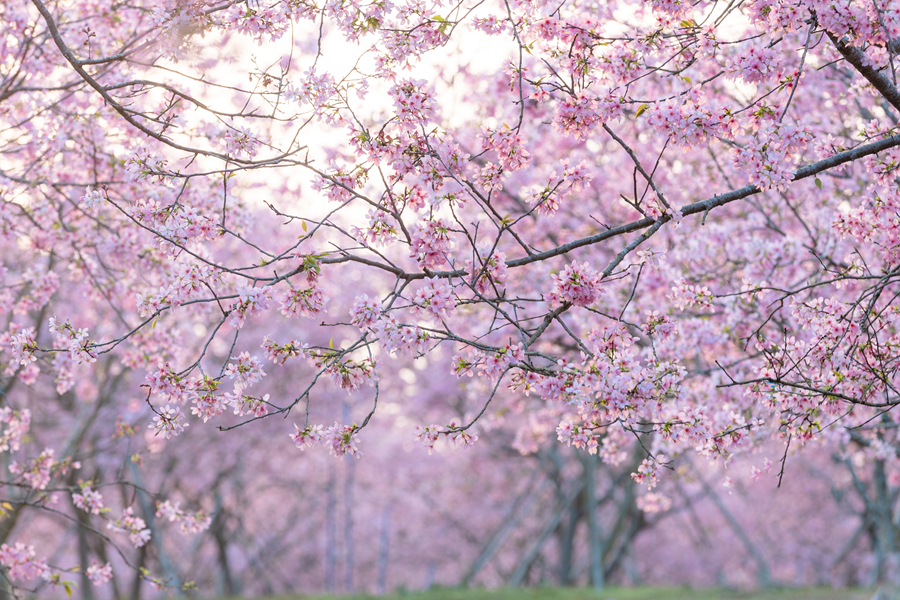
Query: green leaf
{"type": "Point", "coordinates": [331, 343]}
{"type": "Point", "coordinates": [303, 225]}
{"type": "Point", "coordinates": [641, 110]}
{"type": "Point", "coordinates": [68, 587]}
{"type": "Point", "coordinates": [818, 183]}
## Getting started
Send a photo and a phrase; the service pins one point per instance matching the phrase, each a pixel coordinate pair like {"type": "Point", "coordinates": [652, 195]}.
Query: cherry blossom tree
{"type": "Point", "coordinates": [659, 227]}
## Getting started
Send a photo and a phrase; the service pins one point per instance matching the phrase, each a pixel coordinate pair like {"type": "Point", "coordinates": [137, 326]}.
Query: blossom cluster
{"type": "Point", "coordinates": [576, 284]}
{"type": "Point", "coordinates": [341, 440]}
{"type": "Point", "coordinates": [190, 522]}
{"type": "Point", "coordinates": [430, 243]}
{"type": "Point", "coordinates": [99, 574]}
{"type": "Point", "coordinates": [135, 527]}
{"type": "Point", "coordinates": [18, 422]}
{"type": "Point", "coordinates": [251, 301]}
{"type": "Point", "coordinates": [88, 500]}
{"type": "Point", "coordinates": [75, 341]}
{"type": "Point", "coordinates": [168, 422]}
{"type": "Point", "coordinates": [399, 338]}
{"type": "Point", "coordinates": [39, 470]}
{"type": "Point", "coordinates": [22, 563]}
{"type": "Point", "coordinates": [365, 312]}
{"type": "Point", "coordinates": [347, 374]}
{"type": "Point", "coordinates": [435, 298]}
{"type": "Point", "coordinates": [769, 156]}
{"type": "Point", "coordinates": [489, 272]}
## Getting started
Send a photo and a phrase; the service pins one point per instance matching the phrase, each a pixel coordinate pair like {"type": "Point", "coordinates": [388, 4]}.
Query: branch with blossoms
{"type": "Point", "coordinates": [22, 564]}
{"type": "Point", "coordinates": [585, 232]}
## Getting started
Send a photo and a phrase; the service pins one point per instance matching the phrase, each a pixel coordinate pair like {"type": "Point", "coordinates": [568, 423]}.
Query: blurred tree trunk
{"type": "Point", "coordinates": [138, 579]}
{"type": "Point", "coordinates": [878, 520]}
{"type": "Point", "coordinates": [566, 538]}
{"type": "Point", "coordinates": [430, 573]}
{"type": "Point", "coordinates": [349, 477]}
{"type": "Point", "coordinates": [886, 530]}
{"type": "Point", "coordinates": [518, 576]}
{"type": "Point", "coordinates": [168, 569]}
{"type": "Point", "coordinates": [348, 525]}
{"type": "Point", "coordinates": [104, 558]}
{"type": "Point", "coordinates": [589, 464]}
{"type": "Point", "coordinates": [330, 530]}
{"type": "Point", "coordinates": [6, 527]}
{"type": "Point", "coordinates": [81, 528]}
{"type": "Point", "coordinates": [383, 549]}
{"type": "Point", "coordinates": [219, 535]}
{"type": "Point", "coordinates": [763, 573]}
{"type": "Point", "coordinates": [519, 509]}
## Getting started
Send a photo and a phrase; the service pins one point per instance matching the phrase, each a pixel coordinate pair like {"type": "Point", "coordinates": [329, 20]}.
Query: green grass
{"type": "Point", "coordinates": [611, 593]}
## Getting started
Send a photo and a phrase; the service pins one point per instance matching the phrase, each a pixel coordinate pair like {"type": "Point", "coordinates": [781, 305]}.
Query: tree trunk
{"type": "Point", "coordinates": [330, 530]}
{"type": "Point", "coordinates": [552, 523]}
{"type": "Point", "coordinates": [884, 525]}
{"type": "Point", "coordinates": [84, 521]}
{"type": "Point", "coordinates": [218, 532]}
{"type": "Point", "coordinates": [566, 536]}
{"type": "Point", "coordinates": [588, 463]}
{"type": "Point", "coordinates": [520, 508]}
{"type": "Point", "coordinates": [136, 582]}
{"type": "Point", "coordinates": [383, 549]}
{"type": "Point", "coordinates": [165, 564]}
{"type": "Point", "coordinates": [104, 558]}
{"type": "Point", "coordinates": [763, 574]}
{"type": "Point", "coordinates": [348, 525]}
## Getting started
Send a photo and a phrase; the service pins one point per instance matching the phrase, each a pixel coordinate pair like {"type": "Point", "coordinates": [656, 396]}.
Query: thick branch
{"type": "Point", "coordinates": [702, 206]}
{"type": "Point", "coordinates": [716, 201]}
{"type": "Point", "coordinates": [879, 80]}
